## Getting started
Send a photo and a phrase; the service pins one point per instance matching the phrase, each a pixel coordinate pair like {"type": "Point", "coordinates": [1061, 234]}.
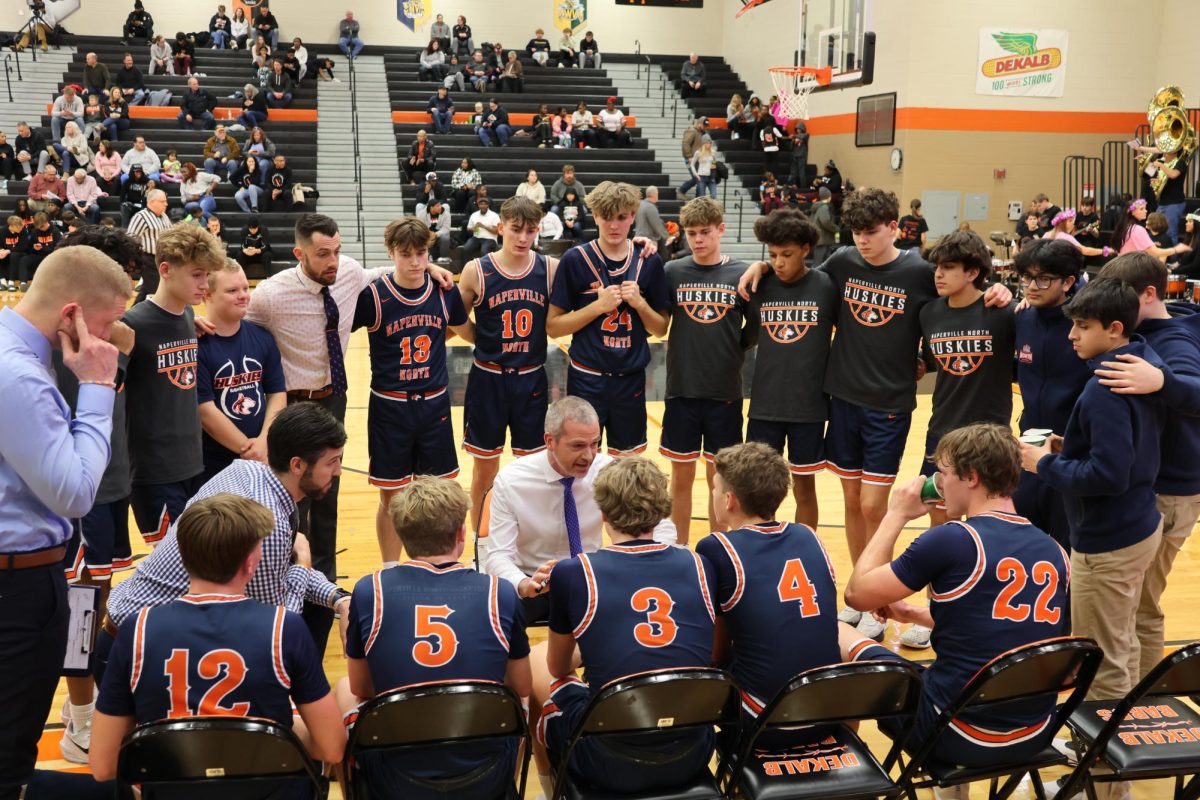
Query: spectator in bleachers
{"type": "Point", "coordinates": [484, 226]}
{"type": "Point", "coordinates": [649, 222]}
{"type": "Point", "coordinates": [561, 127]}
{"type": "Point", "coordinates": [130, 81]}
{"type": "Point", "coordinates": [96, 77]}
{"type": "Point", "coordinates": [30, 148]}
{"type": "Point", "coordinates": [183, 53]}
{"type": "Point", "coordinates": [266, 26]}
{"type": "Point", "coordinates": [454, 74]}
{"type": "Point", "coordinates": [349, 41]}
{"type": "Point", "coordinates": [293, 67]}
{"type": "Point", "coordinates": [463, 183]}
{"type": "Point", "coordinates": [568, 182]}
{"type": "Point", "coordinates": [23, 211]}
{"type": "Point", "coordinates": [494, 125]}
{"type": "Point", "coordinates": [254, 107]}
{"type": "Point", "coordinates": [67, 107]}
{"type": "Point", "coordinates": [93, 119]}
{"type": "Point", "coordinates": [83, 193]}
{"type": "Point", "coordinates": [422, 157]}
{"type": "Point", "coordinates": [116, 114]}
{"type": "Point", "coordinates": [108, 167]}
{"type": "Point", "coordinates": [437, 217]}
{"type": "Point", "coordinates": [260, 56]}
{"type": "Point", "coordinates": [324, 67]}
{"type": "Point", "coordinates": [512, 77]}
{"type": "Point", "coordinates": [538, 48]}
{"type": "Point", "coordinates": [693, 77]}
{"type": "Point", "coordinates": [134, 192]}
{"type": "Point", "coordinates": [221, 153]}
{"type": "Point", "coordinates": [197, 106]}
{"type": "Point", "coordinates": [172, 169]}
{"type": "Point", "coordinates": [279, 87]}
{"type": "Point", "coordinates": [8, 158]}
{"type": "Point", "coordinates": [568, 51]}
{"type": "Point", "coordinates": [589, 51]}
{"type": "Point", "coordinates": [532, 188]}
{"type": "Point", "coordinates": [281, 195]}
{"type": "Point", "coordinates": [40, 240]}
{"type": "Point", "coordinates": [250, 189]}
{"type": "Point", "coordinates": [463, 44]}
{"type": "Point", "coordinates": [432, 64]}
{"type": "Point", "coordinates": [541, 127]}
{"type": "Point", "coordinates": [161, 58]}
{"type": "Point", "coordinates": [196, 191]}
{"type": "Point", "coordinates": [138, 24]}
{"type": "Point", "coordinates": [573, 213]}
{"type": "Point", "coordinates": [431, 192]}
{"type": "Point", "coordinates": [214, 226]}
{"type": "Point", "coordinates": [45, 186]}
{"type": "Point", "coordinates": [257, 144]}
{"type": "Point", "coordinates": [737, 118]}
{"type": "Point", "coordinates": [73, 149]}
{"type": "Point", "coordinates": [583, 124]}
{"type": "Point", "coordinates": [441, 110]}
{"type": "Point", "coordinates": [798, 169]}
{"type": "Point", "coordinates": [611, 131]}
{"type": "Point", "coordinates": [770, 136]}
{"type": "Point", "coordinates": [704, 169]}
{"type": "Point", "coordinates": [141, 155]}
{"type": "Point", "coordinates": [219, 27]}
{"type": "Point", "coordinates": [239, 29]}
{"type": "Point", "coordinates": [441, 31]}
{"type": "Point", "coordinates": [12, 244]}
{"type": "Point", "coordinates": [478, 72]}
{"type": "Point", "coordinates": [255, 246]}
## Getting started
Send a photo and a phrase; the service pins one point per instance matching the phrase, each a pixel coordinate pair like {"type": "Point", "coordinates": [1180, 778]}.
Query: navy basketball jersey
{"type": "Point", "coordinates": [996, 582]}
{"type": "Point", "coordinates": [510, 313]}
{"type": "Point", "coordinates": [774, 584]}
{"type": "Point", "coordinates": [420, 622]}
{"type": "Point", "coordinates": [633, 607]}
{"type": "Point", "coordinates": [616, 341]}
{"type": "Point", "coordinates": [407, 334]}
{"type": "Point", "coordinates": [206, 655]}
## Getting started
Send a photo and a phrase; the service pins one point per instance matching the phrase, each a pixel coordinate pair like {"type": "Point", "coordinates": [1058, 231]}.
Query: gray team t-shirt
{"type": "Point", "coordinates": [873, 362]}
{"type": "Point", "coordinates": [795, 321]}
{"type": "Point", "coordinates": [160, 388]}
{"type": "Point", "coordinates": [706, 344]}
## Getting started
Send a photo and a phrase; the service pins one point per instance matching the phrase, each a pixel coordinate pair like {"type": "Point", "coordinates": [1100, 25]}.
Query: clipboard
{"type": "Point", "coordinates": [84, 603]}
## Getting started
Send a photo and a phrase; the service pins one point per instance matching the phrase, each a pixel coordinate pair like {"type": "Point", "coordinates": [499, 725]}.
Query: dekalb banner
{"type": "Point", "coordinates": [1022, 63]}
{"type": "Point", "coordinates": [568, 14]}
{"type": "Point", "coordinates": [413, 13]}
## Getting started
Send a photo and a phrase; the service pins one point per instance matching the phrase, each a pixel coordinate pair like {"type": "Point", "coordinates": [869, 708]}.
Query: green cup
{"type": "Point", "coordinates": [931, 492]}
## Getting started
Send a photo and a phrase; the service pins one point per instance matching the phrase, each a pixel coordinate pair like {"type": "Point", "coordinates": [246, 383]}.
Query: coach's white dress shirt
{"type": "Point", "coordinates": [527, 526]}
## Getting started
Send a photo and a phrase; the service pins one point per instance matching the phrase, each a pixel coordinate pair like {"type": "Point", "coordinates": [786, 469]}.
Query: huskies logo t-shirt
{"type": "Point", "coordinates": [236, 373]}
{"type": "Point", "coordinates": [706, 345]}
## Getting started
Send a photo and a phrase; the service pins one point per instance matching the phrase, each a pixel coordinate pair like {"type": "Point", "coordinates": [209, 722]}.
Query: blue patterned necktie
{"type": "Point", "coordinates": [571, 515]}
{"type": "Point", "coordinates": [333, 340]}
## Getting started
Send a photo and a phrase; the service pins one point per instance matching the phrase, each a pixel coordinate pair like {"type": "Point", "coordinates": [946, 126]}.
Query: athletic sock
{"type": "Point", "coordinates": [81, 716]}
{"type": "Point", "coordinates": [547, 783]}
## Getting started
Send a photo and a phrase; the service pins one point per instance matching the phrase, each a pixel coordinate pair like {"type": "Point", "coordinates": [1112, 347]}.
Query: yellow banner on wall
{"type": "Point", "coordinates": [414, 13]}
{"type": "Point", "coordinates": [569, 13]}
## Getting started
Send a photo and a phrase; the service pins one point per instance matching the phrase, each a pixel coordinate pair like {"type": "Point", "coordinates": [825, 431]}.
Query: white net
{"type": "Point", "coordinates": [793, 89]}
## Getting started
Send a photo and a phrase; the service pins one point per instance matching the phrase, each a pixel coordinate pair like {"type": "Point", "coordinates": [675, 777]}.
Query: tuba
{"type": "Point", "coordinates": [1170, 132]}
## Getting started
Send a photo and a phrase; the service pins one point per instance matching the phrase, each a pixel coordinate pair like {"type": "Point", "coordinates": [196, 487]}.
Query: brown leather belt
{"type": "Point", "coordinates": [36, 558]}
{"type": "Point", "coordinates": [311, 394]}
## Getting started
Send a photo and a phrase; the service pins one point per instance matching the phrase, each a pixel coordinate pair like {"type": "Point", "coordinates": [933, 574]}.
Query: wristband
{"type": "Point", "coordinates": [109, 384]}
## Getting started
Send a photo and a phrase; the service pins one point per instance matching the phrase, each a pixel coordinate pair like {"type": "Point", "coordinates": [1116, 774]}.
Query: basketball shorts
{"type": "Point", "coordinates": [99, 544]}
{"type": "Point", "coordinates": [692, 425]}
{"type": "Point", "coordinates": [928, 465]}
{"type": "Point", "coordinates": [805, 442]}
{"type": "Point", "coordinates": [497, 402]}
{"type": "Point", "coordinates": [864, 444]}
{"type": "Point", "coordinates": [157, 505]}
{"type": "Point", "coordinates": [614, 764]}
{"type": "Point", "coordinates": [620, 403]}
{"type": "Point", "coordinates": [409, 437]}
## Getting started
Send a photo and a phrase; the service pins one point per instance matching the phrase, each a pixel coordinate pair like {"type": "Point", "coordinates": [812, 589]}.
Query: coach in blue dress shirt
{"type": "Point", "coordinates": [50, 470]}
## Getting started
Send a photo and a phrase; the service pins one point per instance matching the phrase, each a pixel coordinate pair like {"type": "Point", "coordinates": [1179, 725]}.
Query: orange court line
{"type": "Point", "coordinates": [991, 120]}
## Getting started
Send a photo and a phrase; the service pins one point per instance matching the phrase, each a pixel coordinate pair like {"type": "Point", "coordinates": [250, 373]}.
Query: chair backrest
{"type": "Point", "coordinates": [845, 692]}
{"type": "Point", "coordinates": [663, 699]}
{"type": "Point", "coordinates": [1041, 668]}
{"type": "Point", "coordinates": [437, 713]}
{"type": "Point", "coordinates": [214, 749]}
{"type": "Point", "coordinates": [1177, 674]}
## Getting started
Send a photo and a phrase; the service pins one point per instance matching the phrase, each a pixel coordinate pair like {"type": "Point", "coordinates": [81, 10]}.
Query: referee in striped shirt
{"type": "Point", "coordinates": [145, 227]}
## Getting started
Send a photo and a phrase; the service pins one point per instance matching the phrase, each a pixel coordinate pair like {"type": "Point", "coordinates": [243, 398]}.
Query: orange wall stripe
{"type": "Point", "coordinates": [991, 121]}
{"type": "Point", "coordinates": [222, 113]}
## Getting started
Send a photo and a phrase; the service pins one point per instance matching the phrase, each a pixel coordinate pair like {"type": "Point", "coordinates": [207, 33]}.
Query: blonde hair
{"type": "Point", "coordinates": [81, 275]}
{"type": "Point", "coordinates": [701, 211]}
{"type": "Point", "coordinates": [757, 476]}
{"type": "Point", "coordinates": [633, 495]}
{"type": "Point", "coordinates": [216, 534]}
{"type": "Point", "coordinates": [428, 515]}
{"type": "Point", "coordinates": [229, 267]}
{"type": "Point", "coordinates": [610, 199]}
{"type": "Point", "coordinates": [187, 245]}
{"type": "Point", "coordinates": [407, 233]}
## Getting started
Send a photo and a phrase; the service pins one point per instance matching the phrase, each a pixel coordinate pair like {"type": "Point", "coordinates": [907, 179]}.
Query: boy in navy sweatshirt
{"type": "Point", "coordinates": [1050, 374]}
{"type": "Point", "coordinates": [1174, 333]}
{"type": "Point", "coordinates": [1106, 465]}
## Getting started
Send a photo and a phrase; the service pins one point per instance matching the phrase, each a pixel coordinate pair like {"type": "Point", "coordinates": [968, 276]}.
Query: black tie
{"type": "Point", "coordinates": [333, 340]}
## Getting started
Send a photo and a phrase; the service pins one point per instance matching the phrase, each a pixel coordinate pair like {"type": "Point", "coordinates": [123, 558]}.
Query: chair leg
{"type": "Point", "coordinates": [1039, 791]}
{"type": "Point", "coordinates": [1008, 787]}
{"type": "Point", "coordinates": [1189, 790]}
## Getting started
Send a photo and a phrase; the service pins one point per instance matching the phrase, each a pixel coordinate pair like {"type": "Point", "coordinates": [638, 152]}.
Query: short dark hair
{"type": "Point", "coordinates": [987, 449]}
{"type": "Point", "coordinates": [966, 248]}
{"type": "Point", "coordinates": [1140, 271]}
{"type": "Point", "coordinates": [1106, 300]}
{"type": "Point", "coordinates": [116, 244]}
{"type": "Point", "coordinates": [786, 226]}
{"type": "Point", "coordinates": [310, 224]}
{"type": "Point", "coordinates": [304, 431]}
{"type": "Point", "coordinates": [216, 534]}
{"type": "Point", "coordinates": [866, 208]}
{"type": "Point", "coordinates": [1051, 256]}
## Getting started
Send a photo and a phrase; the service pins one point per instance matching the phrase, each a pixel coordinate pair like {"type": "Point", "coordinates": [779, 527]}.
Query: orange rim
{"type": "Point", "coordinates": [823, 75]}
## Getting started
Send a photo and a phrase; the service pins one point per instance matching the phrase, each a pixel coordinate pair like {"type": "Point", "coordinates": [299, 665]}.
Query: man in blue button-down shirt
{"type": "Point", "coordinates": [50, 470]}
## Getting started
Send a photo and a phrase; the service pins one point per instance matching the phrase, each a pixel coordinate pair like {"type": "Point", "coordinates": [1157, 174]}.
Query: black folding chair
{"type": "Point", "coordinates": [840, 765]}
{"type": "Point", "coordinates": [226, 757]}
{"type": "Point", "coordinates": [1148, 734]}
{"type": "Point", "coordinates": [438, 715]}
{"type": "Point", "coordinates": [1039, 670]}
{"type": "Point", "coordinates": [652, 702]}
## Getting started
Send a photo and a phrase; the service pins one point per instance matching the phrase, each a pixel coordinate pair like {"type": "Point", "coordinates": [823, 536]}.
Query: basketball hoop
{"type": "Point", "coordinates": [794, 84]}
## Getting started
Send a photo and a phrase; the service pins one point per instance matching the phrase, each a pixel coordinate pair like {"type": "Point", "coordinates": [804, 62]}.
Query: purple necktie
{"type": "Point", "coordinates": [333, 340]}
{"type": "Point", "coordinates": [571, 515]}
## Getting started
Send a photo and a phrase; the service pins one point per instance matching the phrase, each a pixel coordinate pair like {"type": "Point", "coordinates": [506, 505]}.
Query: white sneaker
{"type": "Point", "coordinates": [848, 615]}
{"type": "Point", "coordinates": [1067, 748]}
{"type": "Point", "coordinates": [872, 628]}
{"type": "Point", "coordinates": [960, 792]}
{"type": "Point", "coordinates": [76, 740]}
{"type": "Point", "coordinates": [916, 637]}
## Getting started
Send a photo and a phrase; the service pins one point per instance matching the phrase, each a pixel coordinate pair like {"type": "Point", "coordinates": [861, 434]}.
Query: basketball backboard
{"type": "Point", "coordinates": [831, 33]}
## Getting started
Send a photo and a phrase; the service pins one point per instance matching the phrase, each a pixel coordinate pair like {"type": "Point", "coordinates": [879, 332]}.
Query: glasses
{"type": "Point", "coordinates": [1040, 281]}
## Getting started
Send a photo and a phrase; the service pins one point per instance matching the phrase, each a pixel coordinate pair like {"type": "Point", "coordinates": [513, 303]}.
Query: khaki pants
{"type": "Point", "coordinates": [1179, 517]}
{"type": "Point", "coordinates": [1105, 590]}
